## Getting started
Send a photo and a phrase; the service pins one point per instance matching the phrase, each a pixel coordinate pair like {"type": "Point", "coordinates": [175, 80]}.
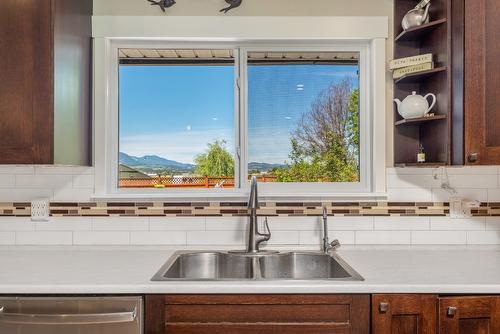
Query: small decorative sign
{"type": "Point", "coordinates": [164, 4]}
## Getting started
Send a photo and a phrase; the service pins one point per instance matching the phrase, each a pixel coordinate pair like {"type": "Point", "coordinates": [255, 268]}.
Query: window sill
{"type": "Point", "coordinates": [238, 196]}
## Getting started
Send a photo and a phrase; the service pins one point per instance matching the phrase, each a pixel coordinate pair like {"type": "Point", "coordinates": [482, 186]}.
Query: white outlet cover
{"type": "Point", "coordinates": [456, 207]}
{"type": "Point", "coordinates": [40, 210]}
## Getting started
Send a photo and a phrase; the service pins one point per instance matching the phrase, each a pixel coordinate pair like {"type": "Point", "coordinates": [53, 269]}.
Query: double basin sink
{"type": "Point", "coordinates": [226, 266]}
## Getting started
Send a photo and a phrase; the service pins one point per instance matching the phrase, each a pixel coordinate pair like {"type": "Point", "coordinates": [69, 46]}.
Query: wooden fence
{"type": "Point", "coordinates": [185, 182]}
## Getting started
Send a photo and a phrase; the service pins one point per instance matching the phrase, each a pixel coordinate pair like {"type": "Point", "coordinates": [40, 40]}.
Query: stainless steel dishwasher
{"type": "Point", "coordinates": [71, 315]}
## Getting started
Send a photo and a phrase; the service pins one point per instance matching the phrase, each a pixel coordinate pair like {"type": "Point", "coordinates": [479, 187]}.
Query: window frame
{"type": "Point", "coordinates": [372, 141]}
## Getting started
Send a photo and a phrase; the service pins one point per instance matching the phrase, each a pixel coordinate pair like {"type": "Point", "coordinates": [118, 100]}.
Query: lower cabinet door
{"type": "Point", "coordinates": [469, 315]}
{"type": "Point", "coordinates": [404, 314]}
{"type": "Point", "coordinates": [256, 314]}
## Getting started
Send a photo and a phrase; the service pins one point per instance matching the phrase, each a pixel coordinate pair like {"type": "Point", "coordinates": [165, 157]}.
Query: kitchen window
{"type": "Point", "coordinates": [206, 118]}
{"type": "Point", "coordinates": [198, 118]}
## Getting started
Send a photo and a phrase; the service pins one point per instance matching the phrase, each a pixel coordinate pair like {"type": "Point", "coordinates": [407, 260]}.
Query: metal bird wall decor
{"type": "Point", "coordinates": [232, 4]}
{"type": "Point", "coordinates": [164, 4]}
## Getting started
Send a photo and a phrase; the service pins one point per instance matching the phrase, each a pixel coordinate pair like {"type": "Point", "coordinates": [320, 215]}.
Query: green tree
{"type": "Point", "coordinates": [325, 145]}
{"type": "Point", "coordinates": [216, 161]}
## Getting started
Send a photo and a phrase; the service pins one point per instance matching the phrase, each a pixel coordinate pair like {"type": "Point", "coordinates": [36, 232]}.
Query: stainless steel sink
{"type": "Point", "coordinates": [220, 266]}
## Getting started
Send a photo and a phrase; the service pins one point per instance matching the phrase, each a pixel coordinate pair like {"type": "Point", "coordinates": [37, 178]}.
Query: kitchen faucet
{"type": "Point", "coordinates": [255, 238]}
{"type": "Point", "coordinates": [327, 245]}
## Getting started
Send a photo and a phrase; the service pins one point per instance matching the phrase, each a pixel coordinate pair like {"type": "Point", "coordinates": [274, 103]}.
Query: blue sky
{"type": "Point", "coordinates": [174, 111]}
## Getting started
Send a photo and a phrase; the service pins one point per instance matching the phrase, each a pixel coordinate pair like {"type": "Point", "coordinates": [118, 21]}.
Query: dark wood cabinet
{"type": "Point", "coordinates": [404, 314]}
{"type": "Point", "coordinates": [482, 81]}
{"type": "Point", "coordinates": [45, 53]}
{"type": "Point", "coordinates": [469, 315]}
{"type": "Point", "coordinates": [237, 314]}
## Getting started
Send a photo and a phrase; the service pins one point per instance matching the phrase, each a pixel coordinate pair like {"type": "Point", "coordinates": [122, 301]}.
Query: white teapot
{"type": "Point", "coordinates": [415, 106]}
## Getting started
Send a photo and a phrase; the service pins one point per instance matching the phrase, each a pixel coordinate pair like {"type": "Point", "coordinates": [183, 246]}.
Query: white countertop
{"type": "Point", "coordinates": [75, 270]}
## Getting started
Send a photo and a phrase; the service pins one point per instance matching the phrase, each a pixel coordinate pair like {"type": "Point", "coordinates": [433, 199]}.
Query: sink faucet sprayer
{"type": "Point", "coordinates": [327, 245]}
{"type": "Point", "coordinates": [255, 238]}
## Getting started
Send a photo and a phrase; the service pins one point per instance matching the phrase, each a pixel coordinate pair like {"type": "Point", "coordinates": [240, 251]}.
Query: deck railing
{"type": "Point", "coordinates": [185, 182]}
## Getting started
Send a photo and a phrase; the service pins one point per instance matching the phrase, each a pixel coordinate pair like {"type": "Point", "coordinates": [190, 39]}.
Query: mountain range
{"type": "Point", "coordinates": [152, 162]}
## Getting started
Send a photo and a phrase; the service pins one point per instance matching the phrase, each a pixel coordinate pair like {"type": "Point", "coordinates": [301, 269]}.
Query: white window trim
{"type": "Point", "coordinates": [372, 92]}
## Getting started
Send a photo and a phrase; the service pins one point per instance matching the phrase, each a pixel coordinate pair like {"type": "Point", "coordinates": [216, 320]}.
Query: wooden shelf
{"type": "Point", "coordinates": [416, 33]}
{"type": "Point", "coordinates": [415, 121]}
{"type": "Point", "coordinates": [421, 164]}
{"type": "Point", "coordinates": [415, 77]}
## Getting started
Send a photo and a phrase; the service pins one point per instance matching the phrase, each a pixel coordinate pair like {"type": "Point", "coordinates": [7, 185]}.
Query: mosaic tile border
{"type": "Point", "coordinates": [221, 209]}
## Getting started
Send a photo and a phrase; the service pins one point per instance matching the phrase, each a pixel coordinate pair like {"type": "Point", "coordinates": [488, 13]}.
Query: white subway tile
{"type": "Point", "coordinates": [24, 195]}
{"type": "Point", "coordinates": [7, 180]}
{"type": "Point", "coordinates": [441, 195]}
{"type": "Point", "coordinates": [383, 237]}
{"type": "Point", "coordinates": [70, 194]}
{"type": "Point", "coordinates": [350, 223]}
{"type": "Point", "coordinates": [226, 223]}
{"type": "Point", "coordinates": [493, 223]}
{"type": "Point", "coordinates": [315, 238]}
{"type": "Point", "coordinates": [293, 223]}
{"type": "Point", "coordinates": [412, 181]}
{"type": "Point", "coordinates": [54, 170]}
{"type": "Point", "coordinates": [7, 238]}
{"type": "Point", "coordinates": [158, 238]}
{"type": "Point", "coordinates": [457, 224]}
{"type": "Point", "coordinates": [177, 223]}
{"type": "Point", "coordinates": [120, 224]}
{"type": "Point", "coordinates": [78, 170]}
{"type": "Point", "coordinates": [438, 237]}
{"type": "Point", "coordinates": [209, 238]}
{"type": "Point", "coordinates": [400, 223]}
{"type": "Point", "coordinates": [284, 238]}
{"type": "Point", "coordinates": [65, 224]}
{"type": "Point", "coordinates": [101, 238]}
{"type": "Point", "coordinates": [409, 194]}
{"type": "Point", "coordinates": [83, 181]}
{"type": "Point", "coordinates": [483, 237]}
{"type": "Point", "coordinates": [43, 181]}
{"type": "Point", "coordinates": [16, 169]}
{"type": "Point", "coordinates": [472, 170]}
{"type": "Point", "coordinates": [409, 170]}
{"type": "Point", "coordinates": [16, 224]}
{"type": "Point", "coordinates": [473, 181]}
{"type": "Point", "coordinates": [494, 194]}
{"type": "Point", "coordinates": [44, 238]}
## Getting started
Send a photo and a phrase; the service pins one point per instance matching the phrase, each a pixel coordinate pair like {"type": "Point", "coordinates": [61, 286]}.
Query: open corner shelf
{"type": "Point", "coordinates": [415, 77]}
{"type": "Point", "coordinates": [416, 33]}
{"type": "Point", "coordinates": [434, 133]}
{"type": "Point", "coordinates": [415, 121]}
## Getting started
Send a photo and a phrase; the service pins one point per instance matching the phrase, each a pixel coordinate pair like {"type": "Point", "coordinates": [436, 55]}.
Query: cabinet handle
{"type": "Point", "coordinates": [451, 311]}
{"type": "Point", "coordinates": [473, 157]}
{"type": "Point", "coordinates": [383, 307]}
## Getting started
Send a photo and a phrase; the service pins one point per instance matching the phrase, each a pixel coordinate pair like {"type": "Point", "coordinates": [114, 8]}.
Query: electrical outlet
{"type": "Point", "coordinates": [456, 207]}
{"type": "Point", "coordinates": [40, 210]}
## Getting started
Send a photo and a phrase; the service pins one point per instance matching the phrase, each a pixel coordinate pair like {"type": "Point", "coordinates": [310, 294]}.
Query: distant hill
{"type": "Point", "coordinates": [263, 167]}
{"type": "Point", "coordinates": [153, 161]}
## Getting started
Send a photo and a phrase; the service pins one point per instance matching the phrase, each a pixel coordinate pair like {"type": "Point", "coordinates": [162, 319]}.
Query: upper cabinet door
{"type": "Point", "coordinates": [469, 315]}
{"type": "Point", "coordinates": [26, 81]}
{"type": "Point", "coordinates": [482, 82]}
{"type": "Point", "coordinates": [404, 314]}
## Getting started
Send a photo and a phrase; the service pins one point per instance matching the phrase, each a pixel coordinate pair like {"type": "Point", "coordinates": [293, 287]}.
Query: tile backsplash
{"type": "Point", "coordinates": [416, 212]}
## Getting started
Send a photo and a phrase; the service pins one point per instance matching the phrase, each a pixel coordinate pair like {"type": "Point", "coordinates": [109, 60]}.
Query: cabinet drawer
{"type": "Point", "coordinates": [235, 314]}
